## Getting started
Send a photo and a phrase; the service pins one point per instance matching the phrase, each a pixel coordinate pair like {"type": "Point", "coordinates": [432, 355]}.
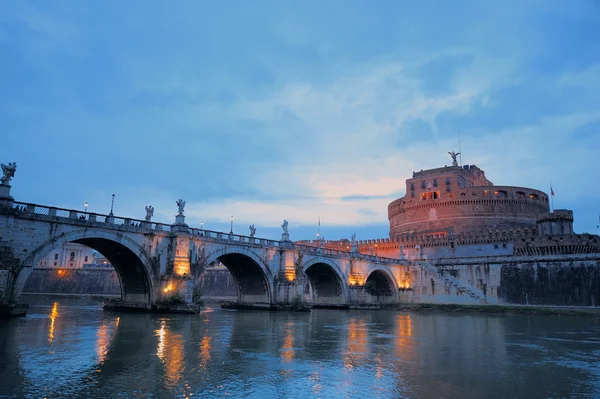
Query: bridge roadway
{"type": "Point", "coordinates": [156, 260]}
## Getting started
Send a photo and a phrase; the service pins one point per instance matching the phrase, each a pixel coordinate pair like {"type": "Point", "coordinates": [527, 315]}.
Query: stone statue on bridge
{"type": "Point", "coordinates": [252, 230]}
{"type": "Point", "coordinates": [284, 226]}
{"type": "Point", "coordinates": [353, 238]}
{"type": "Point", "coordinates": [454, 155]}
{"type": "Point", "coordinates": [9, 172]}
{"type": "Point", "coordinates": [180, 204]}
{"type": "Point", "coordinates": [149, 212]}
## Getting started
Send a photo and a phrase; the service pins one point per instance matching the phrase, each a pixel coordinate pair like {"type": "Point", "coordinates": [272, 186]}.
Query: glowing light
{"type": "Point", "coordinates": [168, 288]}
{"type": "Point", "coordinates": [287, 349]}
{"type": "Point", "coordinates": [205, 348]}
{"type": "Point", "coordinates": [102, 342]}
{"type": "Point", "coordinates": [161, 333]}
{"type": "Point", "coordinates": [404, 342]}
{"type": "Point", "coordinates": [357, 343]}
{"type": "Point", "coordinates": [290, 274]}
{"type": "Point", "coordinates": [60, 272]}
{"type": "Point", "coordinates": [53, 316]}
{"type": "Point", "coordinates": [355, 279]}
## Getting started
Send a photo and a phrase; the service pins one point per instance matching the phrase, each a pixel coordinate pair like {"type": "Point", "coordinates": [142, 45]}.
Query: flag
{"type": "Point", "coordinates": [551, 190]}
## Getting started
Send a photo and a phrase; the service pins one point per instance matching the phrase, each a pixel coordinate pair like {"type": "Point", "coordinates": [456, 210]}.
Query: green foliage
{"type": "Point", "coordinates": [197, 298]}
{"type": "Point", "coordinates": [172, 300]}
{"type": "Point", "coordinates": [297, 302]}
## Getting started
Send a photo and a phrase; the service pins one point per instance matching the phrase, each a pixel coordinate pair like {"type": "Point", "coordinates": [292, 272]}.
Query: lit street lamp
{"type": "Point", "coordinates": [201, 225]}
{"type": "Point", "coordinates": [231, 230]}
{"type": "Point", "coordinates": [85, 205]}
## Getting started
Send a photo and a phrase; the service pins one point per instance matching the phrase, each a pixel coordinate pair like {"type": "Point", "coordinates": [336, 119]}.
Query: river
{"type": "Point", "coordinates": [71, 348]}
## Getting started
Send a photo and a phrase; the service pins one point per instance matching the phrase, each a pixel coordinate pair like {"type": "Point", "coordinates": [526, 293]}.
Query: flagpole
{"type": "Point", "coordinates": [552, 197]}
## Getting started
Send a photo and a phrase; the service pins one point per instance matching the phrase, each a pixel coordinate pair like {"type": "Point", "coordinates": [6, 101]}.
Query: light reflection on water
{"type": "Point", "coordinates": [71, 348]}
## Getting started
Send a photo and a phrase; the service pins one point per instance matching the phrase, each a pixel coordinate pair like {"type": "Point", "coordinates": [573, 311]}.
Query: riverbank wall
{"type": "Point", "coordinates": [97, 282]}
{"type": "Point", "coordinates": [539, 281]}
{"type": "Point", "coordinates": [555, 280]}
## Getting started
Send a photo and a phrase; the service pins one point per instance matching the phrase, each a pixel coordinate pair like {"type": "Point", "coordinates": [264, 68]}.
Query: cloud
{"type": "Point", "coordinates": [275, 112]}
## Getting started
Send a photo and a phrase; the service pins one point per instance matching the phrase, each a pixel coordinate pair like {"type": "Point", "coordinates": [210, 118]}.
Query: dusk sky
{"type": "Point", "coordinates": [272, 110]}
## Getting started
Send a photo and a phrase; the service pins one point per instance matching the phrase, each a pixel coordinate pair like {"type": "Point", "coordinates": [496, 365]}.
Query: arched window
{"type": "Point", "coordinates": [72, 256]}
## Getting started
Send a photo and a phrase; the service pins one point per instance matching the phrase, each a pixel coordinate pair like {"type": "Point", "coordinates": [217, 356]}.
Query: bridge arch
{"type": "Point", "coordinates": [381, 283]}
{"type": "Point", "coordinates": [131, 262]}
{"type": "Point", "coordinates": [253, 278]}
{"type": "Point", "coordinates": [329, 285]}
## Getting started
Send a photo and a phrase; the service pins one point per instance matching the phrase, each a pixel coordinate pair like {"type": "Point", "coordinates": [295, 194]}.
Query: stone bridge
{"type": "Point", "coordinates": [155, 261]}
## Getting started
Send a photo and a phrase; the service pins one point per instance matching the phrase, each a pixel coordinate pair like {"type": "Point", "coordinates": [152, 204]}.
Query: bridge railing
{"type": "Point", "coordinates": [219, 235]}
{"type": "Point", "coordinates": [73, 214]}
{"type": "Point", "coordinates": [339, 252]}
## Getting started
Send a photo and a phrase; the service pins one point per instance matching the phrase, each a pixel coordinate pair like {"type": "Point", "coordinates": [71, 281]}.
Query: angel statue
{"type": "Point", "coordinates": [180, 204]}
{"type": "Point", "coordinates": [252, 230]}
{"type": "Point", "coordinates": [149, 212]}
{"type": "Point", "coordinates": [353, 238]}
{"type": "Point", "coordinates": [284, 226]}
{"type": "Point", "coordinates": [454, 155]}
{"type": "Point", "coordinates": [9, 172]}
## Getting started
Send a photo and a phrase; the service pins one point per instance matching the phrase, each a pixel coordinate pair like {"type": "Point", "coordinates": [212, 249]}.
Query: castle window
{"type": "Point", "coordinates": [534, 197]}
{"type": "Point", "coordinates": [55, 256]}
{"type": "Point", "coordinates": [447, 180]}
{"type": "Point", "coordinates": [423, 184]}
{"type": "Point", "coordinates": [86, 259]}
{"type": "Point", "coordinates": [412, 186]}
{"type": "Point", "coordinates": [463, 194]}
{"type": "Point", "coordinates": [430, 196]}
{"type": "Point", "coordinates": [495, 246]}
{"type": "Point", "coordinates": [72, 256]}
{"type": "Point", "coordinates": [520, 194]}
{"type": "Point", "coordinates": [434, 182]}
{"type": "Point", "coordinates": [412, 194]}
{"type": "Point", "coordinates": [55, 263]}
{"type": "Point", "coordinates": [448, 188]}
{"type": "Point", "coordinates": [504, 245]}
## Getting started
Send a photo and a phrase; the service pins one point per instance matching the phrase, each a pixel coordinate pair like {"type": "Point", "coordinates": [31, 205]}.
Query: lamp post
{"type": "Point", "coordinates": [231, 230]}
{"type": "Point", "coordinates": [202, 225]}
{"type": "Point", "coordinates": [112, 205]}
{"type": "Point", "coordinates": [85, 206]}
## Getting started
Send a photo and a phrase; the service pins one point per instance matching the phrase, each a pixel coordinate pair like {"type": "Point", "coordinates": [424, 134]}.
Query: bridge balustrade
{"type": "Point", "coordinates": [85, 217]}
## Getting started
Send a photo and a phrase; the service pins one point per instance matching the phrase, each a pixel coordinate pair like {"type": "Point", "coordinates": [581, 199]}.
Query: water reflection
{"type": "Point", "coordinates": [276, 354]}
{"type": "Point", "coordinates": [287, 349]}
{"type": "Point", "coordinates": [104, 337]}
{"type": "Point", "coordinates": [170, 350]}
{"type": "Point", "coordinates": [53, 316]}
{"type": "Point", "coordinates": [404, 345]}
{"type": "Point", "coordinates": [357, 343]}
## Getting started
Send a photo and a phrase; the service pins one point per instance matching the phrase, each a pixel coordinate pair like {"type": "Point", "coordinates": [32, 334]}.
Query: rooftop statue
{"type": "Point", "coordinates": [454, 155]}
{"type": "Point", "coordinates": [353, 238]}
{"type": "Point", "coordinates": [9, 172]}
{"type": "Point", "coordinates": [180, 204]}
{"type": "Point", "coordinates": [149, 212]}
{"type": "Point", "coordinates": [252, 230]}
{"type": "Point", "coordinates": [284, 226]}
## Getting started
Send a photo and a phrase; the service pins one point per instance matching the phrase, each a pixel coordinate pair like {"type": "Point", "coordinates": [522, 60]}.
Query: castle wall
{"type": "Point", "coordinates": [465, 209]}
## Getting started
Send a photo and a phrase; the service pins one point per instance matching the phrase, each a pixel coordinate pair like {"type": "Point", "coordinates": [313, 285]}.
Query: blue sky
{"type": "Point", "coordinates": [268, 110]}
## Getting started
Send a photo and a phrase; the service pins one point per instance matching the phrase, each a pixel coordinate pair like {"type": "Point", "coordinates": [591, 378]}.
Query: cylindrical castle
{"type": "Point", "coordinates": [462, 199]}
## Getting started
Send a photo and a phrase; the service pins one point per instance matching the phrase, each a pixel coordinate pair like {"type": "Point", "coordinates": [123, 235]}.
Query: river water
{"type": "Point", "coordinates": [71, 348]}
